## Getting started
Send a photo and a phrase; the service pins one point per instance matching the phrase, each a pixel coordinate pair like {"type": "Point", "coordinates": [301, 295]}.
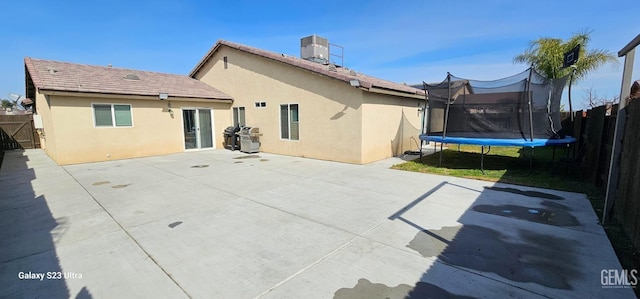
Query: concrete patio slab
{"type": "Point", "coordinates": [58, 232]}
{"type": "Point", "coordinates": [221, 224]}
{"type": "Point", "coordinates": [369, 269]}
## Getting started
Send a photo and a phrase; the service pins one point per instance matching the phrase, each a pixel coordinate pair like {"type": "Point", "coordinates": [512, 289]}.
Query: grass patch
{"type": "Point", "coordinates": [507, 165]}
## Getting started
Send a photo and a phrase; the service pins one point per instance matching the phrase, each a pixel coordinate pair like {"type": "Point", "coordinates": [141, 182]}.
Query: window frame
{"type": "Point", "coordinates": [113, 115]}
{"type": "Point", "coordinates": [289, 121]}
{"type": "Point", "coordinates": [236, 116]}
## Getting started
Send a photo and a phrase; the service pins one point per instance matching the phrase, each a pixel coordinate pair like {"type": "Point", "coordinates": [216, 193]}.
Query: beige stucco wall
{"type": "Point", "coordinates": [154, 131]}
{"type": "Point", "coordinates": [47, 134]}
{"type": "Point", "coordinates": [330, 110]}
{"type": "Point", "coordinates": [390, 126]}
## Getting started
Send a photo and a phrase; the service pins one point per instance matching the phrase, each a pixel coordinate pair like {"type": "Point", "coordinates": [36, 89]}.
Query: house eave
{"type": "Point", "coordinates": [129, 96]}
{"type": "Point", "coordinates": [374, 89]}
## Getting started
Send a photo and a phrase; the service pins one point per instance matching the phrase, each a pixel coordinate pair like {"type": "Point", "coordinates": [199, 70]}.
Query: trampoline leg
{"type": "Point", "coordinates": [482, 159]}
{"type": "Point", "coordinates": [440, 165]}
{"type": "Point", "coordinates": [531, 161]}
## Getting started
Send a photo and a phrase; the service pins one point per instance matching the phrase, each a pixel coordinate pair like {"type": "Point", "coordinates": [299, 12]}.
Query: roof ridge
{"type": "Point", "coordinates": [105, 67]}
{"type": "Point", "coordinates": [341, 73]}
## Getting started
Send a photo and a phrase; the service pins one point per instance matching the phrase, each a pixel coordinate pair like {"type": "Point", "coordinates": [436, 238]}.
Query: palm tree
{"type": "Point", "coordinates": [6, 103]}
{"type": "Point", "coordinates": [547, 54]}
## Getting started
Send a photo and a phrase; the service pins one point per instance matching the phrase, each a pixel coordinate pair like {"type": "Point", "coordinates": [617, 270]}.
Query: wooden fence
{"type": "Point", "coordinates": [626, 207]}
{"type": "Point", "coordinates": [594, 130]}
{"type": "Point", "coordinates": [17, 132]}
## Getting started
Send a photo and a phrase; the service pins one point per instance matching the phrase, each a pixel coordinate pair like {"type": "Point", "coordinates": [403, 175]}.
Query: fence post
{"type": "Point", "coordinates": [629, 52]}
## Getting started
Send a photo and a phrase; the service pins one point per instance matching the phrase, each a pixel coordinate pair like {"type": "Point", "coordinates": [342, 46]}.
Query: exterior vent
{"type": "Point", "coordinates": [315, 48]}
{"type": "Point", "coordinates": [131, 77]}
{"type": "Point", "coordinates": [52, 70]}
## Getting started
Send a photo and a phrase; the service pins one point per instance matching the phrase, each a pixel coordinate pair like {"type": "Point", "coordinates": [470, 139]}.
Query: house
{"type": "Point", "coordinates": [94, 113]}
{"type": "Point", "coordinates": [309, 107]}
{"type": "Point", "coordinates": [303, 107]}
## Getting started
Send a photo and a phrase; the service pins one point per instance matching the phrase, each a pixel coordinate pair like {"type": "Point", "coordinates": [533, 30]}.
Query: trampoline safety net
{"type": "Point", "coordinates": [496, 109]}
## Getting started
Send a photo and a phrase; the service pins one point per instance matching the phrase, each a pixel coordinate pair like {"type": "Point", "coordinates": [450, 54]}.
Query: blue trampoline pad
{"type": "Point", "coordinates": [499, 142]}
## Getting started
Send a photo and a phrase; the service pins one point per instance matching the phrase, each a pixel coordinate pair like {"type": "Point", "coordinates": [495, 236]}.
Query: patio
{"type": "Point", "coordinates": [229, 225]}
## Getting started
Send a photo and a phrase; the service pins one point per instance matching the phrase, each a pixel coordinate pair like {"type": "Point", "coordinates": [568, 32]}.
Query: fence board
{"type": "Point", "coordinates": [592, 136]}
{"type": "Point", "coordinates": [607, 146]}
{"type": "Point", "coordinates": [578, 128]}
{"type": "Point", "coordinates": [627, 202]}
{"type": "Point", "coordinates": [16, 132]}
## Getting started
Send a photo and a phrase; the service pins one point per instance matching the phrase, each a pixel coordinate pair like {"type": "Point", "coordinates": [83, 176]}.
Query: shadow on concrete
{"type": "Point", "coordinates": [481, 246]}
{"type": "Point", "coordinates": [84, 294]}
{"type": "Point", "coordinates": [527, 254]}
{"type": "Point", "coordinates": [529, 257]}
{"type": "Point", "coordinates": [29, 264]}
{"type": "Point", "coordinates": [365, 289]}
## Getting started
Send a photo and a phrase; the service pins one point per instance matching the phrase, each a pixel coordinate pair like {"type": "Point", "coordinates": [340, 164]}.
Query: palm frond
{"type": "Point", "coordinates": [547, 54]}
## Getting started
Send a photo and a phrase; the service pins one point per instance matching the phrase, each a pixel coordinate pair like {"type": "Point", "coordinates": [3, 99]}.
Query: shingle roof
{"type": "Point", "coordinates": [71, 77]}
{"type": "Point", "coordinates": [339, 73]}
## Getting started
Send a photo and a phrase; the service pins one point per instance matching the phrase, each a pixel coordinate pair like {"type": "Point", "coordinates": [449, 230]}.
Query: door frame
{"type": "Point", "coordinates": [197, 120]}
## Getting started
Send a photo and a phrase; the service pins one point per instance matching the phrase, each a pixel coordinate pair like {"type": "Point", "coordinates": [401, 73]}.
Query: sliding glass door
{"type": "Point", "coordinates": [198, 130]}
{"type": "Point", "coordinates": [205, 136]}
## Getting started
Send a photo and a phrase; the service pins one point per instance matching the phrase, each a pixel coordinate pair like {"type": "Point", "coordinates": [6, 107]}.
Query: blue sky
{"type": "Point", "coordinates": [401, 41]}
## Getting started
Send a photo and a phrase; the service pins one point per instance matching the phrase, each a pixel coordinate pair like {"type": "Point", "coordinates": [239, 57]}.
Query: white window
{"type": "Point", "coordinates": [238, 116]}
{"type": "Point", "coordinates": [112, 115]}
{"type": "Point", "coordinates": [289, 122]}
{"type": "Point", "coordinates": [261, 104]}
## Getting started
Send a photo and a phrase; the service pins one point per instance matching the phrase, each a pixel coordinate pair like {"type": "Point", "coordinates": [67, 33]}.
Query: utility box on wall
{"type": "Point", "coordinates": [37, 121]}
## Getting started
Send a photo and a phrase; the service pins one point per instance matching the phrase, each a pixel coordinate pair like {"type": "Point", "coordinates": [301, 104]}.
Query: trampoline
{"type": "Point", "coordinates": [521, 110]}
{"type": "Point", "coordinates": [488, 142]}
{"type": "Point", "coordinates": [536, 142]}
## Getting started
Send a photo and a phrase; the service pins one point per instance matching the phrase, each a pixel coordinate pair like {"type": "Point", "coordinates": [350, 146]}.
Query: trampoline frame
{"type": "Point", "coordinates": [488, 142]}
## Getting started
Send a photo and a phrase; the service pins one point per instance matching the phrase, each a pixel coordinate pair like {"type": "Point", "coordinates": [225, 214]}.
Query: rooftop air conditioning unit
{"type": "Point", "coordinates": [315, 48]}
